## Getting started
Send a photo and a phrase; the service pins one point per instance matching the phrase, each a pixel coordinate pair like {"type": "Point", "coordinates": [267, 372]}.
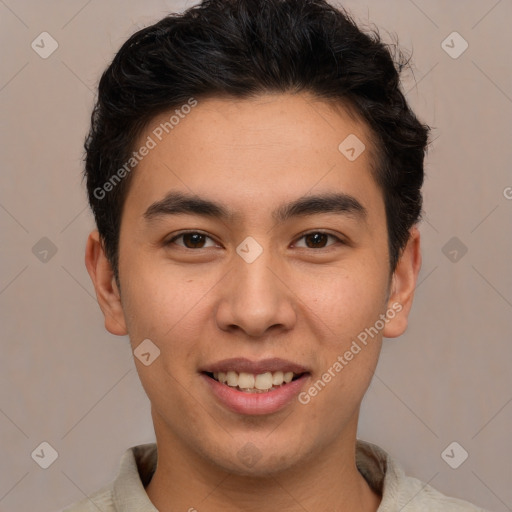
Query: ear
{"type": "Point", "coordinates": [402, 287]}
{"type": "Point", "coordinates": [107, 293]}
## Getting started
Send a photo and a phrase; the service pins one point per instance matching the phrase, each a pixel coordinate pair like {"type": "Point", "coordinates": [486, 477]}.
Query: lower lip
{"type": "Point", "coordinates": [256, 403]}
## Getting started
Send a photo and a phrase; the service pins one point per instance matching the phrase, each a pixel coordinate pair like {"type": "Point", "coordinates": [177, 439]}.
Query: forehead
{"type": "Point", "coordinates": [253, 152]}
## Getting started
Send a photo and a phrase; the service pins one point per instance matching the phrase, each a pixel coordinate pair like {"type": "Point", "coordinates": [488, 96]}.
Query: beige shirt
{"type": "Point", "coordinates": [399, 492]}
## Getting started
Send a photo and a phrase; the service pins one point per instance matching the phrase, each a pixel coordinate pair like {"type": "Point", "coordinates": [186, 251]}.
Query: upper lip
{"type": "Point", "coordinates": [241, 364]}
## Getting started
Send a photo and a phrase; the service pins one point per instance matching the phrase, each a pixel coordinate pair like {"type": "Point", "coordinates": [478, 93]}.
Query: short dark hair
{"type": "Point", "coordinates": [240, 49]}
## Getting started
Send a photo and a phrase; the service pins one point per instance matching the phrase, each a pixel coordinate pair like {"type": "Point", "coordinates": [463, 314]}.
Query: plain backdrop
{"type": "Point", "coordinates": [64, 380]}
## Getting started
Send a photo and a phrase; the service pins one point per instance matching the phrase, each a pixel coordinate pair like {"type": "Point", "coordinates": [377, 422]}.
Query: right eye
{"type": "Point", "coordinates": [191, 240]}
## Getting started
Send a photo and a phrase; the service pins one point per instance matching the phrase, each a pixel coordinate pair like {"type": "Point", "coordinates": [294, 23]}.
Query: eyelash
{"type": "Point", "coordinates": [176, 237]}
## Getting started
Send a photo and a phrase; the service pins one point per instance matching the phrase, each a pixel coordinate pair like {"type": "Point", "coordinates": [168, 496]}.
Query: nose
{"type": "Point", "coordinates": [256, 297]}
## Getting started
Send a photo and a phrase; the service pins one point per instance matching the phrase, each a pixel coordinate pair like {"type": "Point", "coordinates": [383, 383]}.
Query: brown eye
{"type": "Point", "coordinates": [191, 240]}
{"type": "Point", "coordinates": [318, 239]}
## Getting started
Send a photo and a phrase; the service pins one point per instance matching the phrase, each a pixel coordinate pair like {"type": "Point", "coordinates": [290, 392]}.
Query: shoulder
{"type": "Point", "coordinates": [101, 500]}
{"type": "Point", "coordinates": [399, 491]}
{"type": "Point", "coordinates": [416, 496]}
{"type": "Point", "coordinates": [127, 491]}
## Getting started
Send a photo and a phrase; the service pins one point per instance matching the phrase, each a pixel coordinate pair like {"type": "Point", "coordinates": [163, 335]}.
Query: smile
{"type": "Point", "coordinates": [255, 387]}
{"type": "Point", "coordinates": [250, 383]}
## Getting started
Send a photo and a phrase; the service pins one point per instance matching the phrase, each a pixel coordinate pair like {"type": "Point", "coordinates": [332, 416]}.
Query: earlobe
{"type": "Point", "coordinates": [403, 285]}
{"type": "Point", "coordinates": [107, 293]}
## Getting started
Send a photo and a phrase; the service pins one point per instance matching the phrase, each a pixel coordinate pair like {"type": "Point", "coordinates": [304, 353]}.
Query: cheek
{"type": "Point", "coordinates": [346, 303]}
{"type": "Point", "coordinates": [173, 309]}
{"type": "Point", "coordinates": [345, 300]}
{"type": "Point", "coordinates": [158, 299]}
{"type": "Point", "coordinates": [166, 308]}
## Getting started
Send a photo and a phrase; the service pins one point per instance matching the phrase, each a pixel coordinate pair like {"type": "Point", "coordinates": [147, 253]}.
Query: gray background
{"type": "Point", "coordinates": [66, 381]}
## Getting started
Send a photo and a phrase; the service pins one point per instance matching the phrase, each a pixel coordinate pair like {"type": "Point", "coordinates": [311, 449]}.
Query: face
{"type": "Point", "coordinates": [253, 251]}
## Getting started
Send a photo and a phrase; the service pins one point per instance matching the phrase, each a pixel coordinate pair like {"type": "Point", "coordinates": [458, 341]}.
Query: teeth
{"type": "Point", "coordinates": [277, 378]}
{"type": "Point", "coordinates": [288, 376]}
{"type": "Point", "coordinates": [247, 381]}
{"type": "Point", "coordinates": [263, 381]}
{"type": "Point", "coordinates": [232, 379]}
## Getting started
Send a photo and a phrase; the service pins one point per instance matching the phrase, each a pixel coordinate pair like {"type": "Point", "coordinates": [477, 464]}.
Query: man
{"type": "Point", "coordinates": [255, 174]}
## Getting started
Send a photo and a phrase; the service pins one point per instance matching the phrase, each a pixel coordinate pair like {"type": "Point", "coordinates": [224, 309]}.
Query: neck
{"type": "Point", "coordinates": [184, 480]}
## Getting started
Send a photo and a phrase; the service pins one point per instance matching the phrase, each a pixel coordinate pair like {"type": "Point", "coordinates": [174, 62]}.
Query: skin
{"type": "Point", "coordinates": [298, 301]}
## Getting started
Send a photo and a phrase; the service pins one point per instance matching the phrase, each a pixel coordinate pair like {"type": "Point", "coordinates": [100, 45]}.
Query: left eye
{"type": "Point", "coordinates": [317, 239]}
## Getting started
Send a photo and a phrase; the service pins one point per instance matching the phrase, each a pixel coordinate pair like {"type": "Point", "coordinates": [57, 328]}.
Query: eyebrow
{"type": "Point", "coordinates": [175, 203]}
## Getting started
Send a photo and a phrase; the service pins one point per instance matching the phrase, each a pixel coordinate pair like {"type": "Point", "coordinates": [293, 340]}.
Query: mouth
{"type": "Point", "coordinates": [254, 383]}
{"type": "Point", "coordinates": [255, 387]}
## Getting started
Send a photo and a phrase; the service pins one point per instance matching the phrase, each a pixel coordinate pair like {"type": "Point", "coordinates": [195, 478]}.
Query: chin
{"type": "Point", "coordinates": [257, 458]}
